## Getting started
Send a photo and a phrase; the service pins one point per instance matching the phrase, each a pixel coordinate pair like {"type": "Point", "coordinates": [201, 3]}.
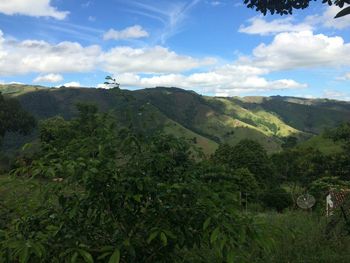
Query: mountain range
{"type": "Point", "coordinates": [206, 120]}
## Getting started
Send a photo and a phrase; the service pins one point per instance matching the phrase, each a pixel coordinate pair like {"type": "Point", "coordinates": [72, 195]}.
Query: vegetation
{"type": "Point", "coordinates": [211, 120]}
{"type": "Point", "coordinates": [287, 7]}
{"type": "Point", "coordinates": [13, 118]}
{"type": "Point", "coordinates": [102, 188]}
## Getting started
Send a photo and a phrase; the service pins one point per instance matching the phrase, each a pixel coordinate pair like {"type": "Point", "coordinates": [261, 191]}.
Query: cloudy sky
{"type": "Point", "coordinates": [212, 47]}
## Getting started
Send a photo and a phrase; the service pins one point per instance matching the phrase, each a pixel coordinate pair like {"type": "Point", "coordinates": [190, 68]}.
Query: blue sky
{"type": "Point", "coordinates": [212, 47]}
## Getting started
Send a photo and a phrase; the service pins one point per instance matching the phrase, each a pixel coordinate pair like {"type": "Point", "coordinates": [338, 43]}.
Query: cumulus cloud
{"type": "Point", "coordinates": [260, 26]}
{"type": "Point", "coordinates": [49, 78]}
{"type": "Point", "coordinates": [148, 67]}
{"type": "Point", "coordinates": [72, 84]}
{"type": "Point", "coordinates": [35, 8]}
{"type": "Point", "coordinates": [132, 32]}
{"type": "Point", "coordinates": [225, 80]}
{"type": "Point", "coordinates": [149, 60]}
{"type": "Point", "coordinates": [295, 50]}
{"type": "Point", "coordinates": [21, 57]}
{"type": "Point", "coordinates": [33, 56]}
{"type": "Point", "coordinates": [326, 19]}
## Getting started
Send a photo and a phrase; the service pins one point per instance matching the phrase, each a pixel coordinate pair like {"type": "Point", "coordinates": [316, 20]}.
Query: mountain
{"type": "Point", "coordinates": [207, 121]}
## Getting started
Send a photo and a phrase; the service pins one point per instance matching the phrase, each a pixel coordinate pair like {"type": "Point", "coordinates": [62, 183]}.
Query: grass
{"type": "Point", "coordinates": [18, 89]}
{"type": "Point", "coordinates": [324, 145]}
{"type": "Point", "coordinates": [208, 146]}
{"type": "Point", "coordinates": [300, 237]}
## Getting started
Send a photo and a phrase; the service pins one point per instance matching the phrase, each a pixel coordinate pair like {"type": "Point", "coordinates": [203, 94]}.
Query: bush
{"type": "Point", "coordinates": [277, 198]}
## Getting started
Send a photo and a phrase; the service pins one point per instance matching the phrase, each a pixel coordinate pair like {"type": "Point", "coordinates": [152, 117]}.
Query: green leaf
{"type": "Point", "coordinates": [38, 249]}
{"type": "Point", "coordinates": [106, 248]}
{"type": "Point", "coordinates": [94, 170]}
{"type": "Point", "coordinates": [24, 255]}
{"type": "Point", "coordinates": [206, 223]}
{"type": "Point", "coordinates": [115, 258]}
{"type": "Point", "coordinates": [74, 257]}
{"type": "Point", "coordinates": [104, 255]}
{"type": "Point", "coordinates": [230, 257]}
{"type": "Point", "coordinates": [86, 255]}
{"type": "Point", "coordinates": [163, 238]}
{"type": "Point", "coordinates": [214, 235]}
{"type": "Point", "coordinates": [344, 12]}
{"type": "Point", "coordinates": [137, 198]}
{"type": "Point", "coordinates": [152, 236]}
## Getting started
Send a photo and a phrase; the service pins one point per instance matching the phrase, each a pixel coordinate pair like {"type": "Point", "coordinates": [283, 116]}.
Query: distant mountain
{"type": "Point", "coordinates": [206, 120]}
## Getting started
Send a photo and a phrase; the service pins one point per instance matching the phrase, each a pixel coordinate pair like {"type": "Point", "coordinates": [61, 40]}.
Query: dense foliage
{"type": "Point", "coordinates": [106, 193]}
{"type": "Point", "coordinates": [287, 7]}
{"type": "Point", "coordinates": [13, 118]}
{"type": "Point", "coordinates": [136, 199]}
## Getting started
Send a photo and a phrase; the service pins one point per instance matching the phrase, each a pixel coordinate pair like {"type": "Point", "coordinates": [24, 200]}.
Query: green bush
{"type": "Point", "coordinates": [277, 198]}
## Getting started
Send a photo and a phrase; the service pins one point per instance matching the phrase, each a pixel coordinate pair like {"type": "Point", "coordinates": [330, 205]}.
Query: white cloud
{"type": "Point", "coordinates": [336, 95]}
{"type": "Point", "coordinates": [167, 67]}
{"type": "Point", "coordinates": [28, 56]}
{"type": "Point", "coordinates": [72, 84]}
{"type": "Point", "coordinates": [149, 60]}
{"type": "Point", "coordinates": [132, 32]}
{"type": "Point", "coordinates": [228, 80]}
{"type": "Point", "coordinates": [33, 56]}
{"type": "Point", "coordinates": [35, 8]}
{"type": "Point", "coordinates": [11, 82]}
{"type": "Point", "coordinates": [326, 19]}
{"type": "Point", "coordinates": [297, 50]}
{"type": "Point", "coordinates": [49, 78]}
{"type": "Point", "coordinates": [260, 26]}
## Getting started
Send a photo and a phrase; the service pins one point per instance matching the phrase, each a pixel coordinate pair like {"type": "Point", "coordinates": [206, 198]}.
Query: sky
{"type": "Point", "coordinates": [217, 48]}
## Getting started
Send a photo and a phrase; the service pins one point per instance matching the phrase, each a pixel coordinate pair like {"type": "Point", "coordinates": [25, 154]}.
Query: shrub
{"type": "Point", "coordinates": [277, 198]}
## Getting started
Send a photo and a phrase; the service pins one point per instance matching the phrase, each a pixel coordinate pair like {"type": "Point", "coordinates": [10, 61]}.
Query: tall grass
{"type": "Point", "coordinates": [301, 237]}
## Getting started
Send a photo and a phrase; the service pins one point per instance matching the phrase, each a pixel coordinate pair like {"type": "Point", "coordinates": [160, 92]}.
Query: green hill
{"type": "Point", "coordinates": [205, 120]}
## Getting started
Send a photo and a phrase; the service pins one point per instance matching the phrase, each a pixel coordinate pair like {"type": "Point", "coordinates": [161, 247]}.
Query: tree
{"type": "Point", "coordinates": [301, 165]}
{"type": "Point", "coordinates": [320, 187]}
{"type": "Point", "coordinates": [341, 161]}
{"type": "Point", "coordinates": [289, 142]}
{"type": "Point", "coordinates": [342, 134]}
{"type": "Point", "coordinates": [111, 82]}
{"type": "Point", "coordinates": [13, 118]}
{"type": "Point", "coordinates": [247, 154]}
{"type": "Point", "coordinates": [138, 199]}
{"type": "Point", "coordinates": [288, 6]}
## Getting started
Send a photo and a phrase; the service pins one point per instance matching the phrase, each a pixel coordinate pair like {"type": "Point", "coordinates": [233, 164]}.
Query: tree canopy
{"type": "Point", "coordinates": [288, 6]}
{"type": "Point", "coordinates": [13, 118]}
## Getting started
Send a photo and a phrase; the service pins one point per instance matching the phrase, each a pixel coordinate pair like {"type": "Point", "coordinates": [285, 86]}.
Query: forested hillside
{"type": "Point", "coordinates": [89, 189]}
{"type": "Point", "coordinates": [207, 120]}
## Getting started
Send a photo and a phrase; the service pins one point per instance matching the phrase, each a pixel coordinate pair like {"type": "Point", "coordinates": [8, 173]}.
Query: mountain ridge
{"type": "Point", "coordinates": [206, 120]}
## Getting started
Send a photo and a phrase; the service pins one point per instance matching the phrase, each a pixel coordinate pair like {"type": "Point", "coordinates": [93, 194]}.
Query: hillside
{"type": "Point", "coordinates": [205, 120]}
